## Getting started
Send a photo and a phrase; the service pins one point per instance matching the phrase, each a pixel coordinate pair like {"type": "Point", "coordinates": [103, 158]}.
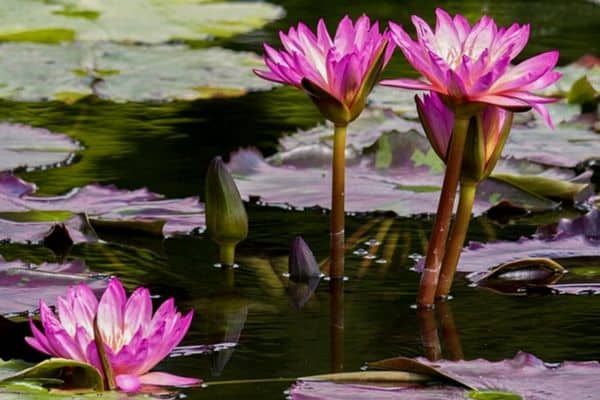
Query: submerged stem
{"type": "Point", "coordinates": [439, 233]}
{"type": "Point", "coordinates": [336, 268]}
{"type": "Point", "coordinates": [457, 238]}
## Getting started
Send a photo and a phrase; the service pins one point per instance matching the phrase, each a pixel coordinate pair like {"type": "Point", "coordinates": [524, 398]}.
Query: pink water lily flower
{"type": "Point", "coordinates": [468, 64]}
{"type": "Point", "coordinates": [337, 73]}
{"type": "Point", "coordinates": [437, 120]}
{"type": "Point", "coordinates": [135, 340]}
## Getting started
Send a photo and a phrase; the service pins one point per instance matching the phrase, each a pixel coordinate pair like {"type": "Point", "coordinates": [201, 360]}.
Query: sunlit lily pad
{"type": "Point", "coordinates": [23, 146]}
{"type": "Point", "coordinates": [147, 21]}
{"type": "Point", "coordinates": [571, 75]}
{"type": "Point", "coordinates": [523, 377]}
{"type": "Point", "coordinates": [33, 72]}
{"type": "Point", "coordinates": [390, 167]}
{"type": "Point", "coordinates": [563, 147]}
{"type": "Point", "coordinates": [25, 217]}
{"type": "Point", "coordinates": [23, 285]}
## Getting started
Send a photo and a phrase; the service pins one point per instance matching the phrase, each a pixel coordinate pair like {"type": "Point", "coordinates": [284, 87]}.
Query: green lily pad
{"type": "Point", "coordinates": [34, 72]}
{"type": "Point", "coordinates": [81, 375]}
{"type": "Point", "coordinates": [139, 21]}
{"type": "Point", "coordinates": [22, 146]}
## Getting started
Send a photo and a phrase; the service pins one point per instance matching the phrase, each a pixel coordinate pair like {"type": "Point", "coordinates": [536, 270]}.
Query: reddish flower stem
{"type": "Point", "coordinates": [336, 268]}
{"type": "Point", "coordinates": [439, 233]}
{"type": "Point", "coordinates": [457, 238]}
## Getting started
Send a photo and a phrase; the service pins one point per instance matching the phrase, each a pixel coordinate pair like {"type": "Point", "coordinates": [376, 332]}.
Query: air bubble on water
{"type": "Point", "coordinates": [472, 284]}
{"type": "Point", "coordinates": [360, 252]}
{"type": "Point", "coordinates": [372, 243]}
{"type": "Point", "coordinates": [416, 257]}
{"type": "Point", "coordinates": [381, 261]}
{"type": "Point", "coordinates": [370, 257]}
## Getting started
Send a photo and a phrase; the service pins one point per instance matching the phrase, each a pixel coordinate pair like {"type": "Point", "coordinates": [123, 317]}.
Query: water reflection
{"type": "Point", "coordinates": [226, 311]}
{"type": "Point", "coordinates": [336, 324]}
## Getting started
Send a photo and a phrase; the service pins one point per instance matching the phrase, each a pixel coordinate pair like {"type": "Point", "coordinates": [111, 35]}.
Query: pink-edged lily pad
{"type": "Point", "coordinates": [23, 146]}
{"type": "Point", "coordinates": [25, 217]}
{"type": "Point", "coordinates": [23, 285]}
{"type": "Point", "coordinates": [390, 167]}
{"type": "Point", "coordinates": [525, 376]}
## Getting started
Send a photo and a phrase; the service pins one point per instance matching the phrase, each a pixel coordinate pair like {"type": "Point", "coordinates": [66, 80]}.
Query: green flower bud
{"type": "Point", "coordinates": [226, 218]}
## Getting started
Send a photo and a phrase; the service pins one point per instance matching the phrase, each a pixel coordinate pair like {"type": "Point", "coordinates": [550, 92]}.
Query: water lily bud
{"type": "Point", "coordinates": [226, 218]}
{"type": "Point", "coordinates": [302, 263]}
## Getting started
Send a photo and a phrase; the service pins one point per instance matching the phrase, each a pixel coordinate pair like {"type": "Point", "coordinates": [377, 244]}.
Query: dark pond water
{"type": "Point", "coordinates": [166, 147]}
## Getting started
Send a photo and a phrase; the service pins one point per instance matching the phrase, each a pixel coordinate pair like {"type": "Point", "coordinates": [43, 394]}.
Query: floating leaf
{"type": "Point", "coordinates": [409, 183]}
{"type": "Point", "coordinates": [563, 147]}
{"type": "Point", "coordinates": [524, 376]}
{"type": "Point", "coordinates": [80, 376]}
{"type": "Point", "coordinates": [105, 207]}
{"type": "Point", "coordinates": [33, 72]}
{"type": "Point", "coordinates": [22, 146]}
{"type": "Point", "coordinates": [156, 21]}
{"type": "Point", "coordinates": [24, 285]}
{"type": "Point", "coordinates": [572, 74]}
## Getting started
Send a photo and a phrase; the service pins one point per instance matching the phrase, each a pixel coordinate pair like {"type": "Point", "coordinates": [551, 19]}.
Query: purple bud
{"type": "Point", "coordinates": [302, 263]}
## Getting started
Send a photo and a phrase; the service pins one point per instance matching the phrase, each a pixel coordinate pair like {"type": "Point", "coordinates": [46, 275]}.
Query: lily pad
{"type": "Point", "coordinates": [34, 72]}
{"type": "Point", "coordinates": [524, 376]}
{"type": "Point", "coordinates": [562, 147]}
{"type": "Point", "coordinates": [22, 146]}
{"type": "Point", "coordinates": [145, 21]}
{"type": "Point", "coordinates": [572, 77]}
{"type": "Point", "coordinates": [25, 217]}
{"type": "Point", "coordinates": [84, 375]}
{"type": "Point", "coordinates": [390, 167]}
{"type": "Point", "coordinates": [23, 285]}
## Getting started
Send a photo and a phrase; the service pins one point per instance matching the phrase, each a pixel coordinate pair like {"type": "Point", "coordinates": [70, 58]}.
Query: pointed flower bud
{"type": "Point", "coordinates": [338, 74]}
{"type": "Point", "coordinates": [302, 263]}
{"type": "Point", "coordinates": [487, 134]}
{"type": "Point", "coordinates": [226, 218]}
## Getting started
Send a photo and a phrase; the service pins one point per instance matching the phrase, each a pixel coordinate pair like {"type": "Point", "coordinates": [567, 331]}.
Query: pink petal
{"type": "Point", "coordinates": [502, 101]}
{"type": "Point", "coordinates": [85, 305]}
{"type": "Point", "coordinates": [66, 316]}
{"type": "Point", "coordinates": [165, 310]}
{"type": "Point", "coordinates": [323, 38]}
{"type": "Point", "coordinates": [165, 379]}
{"type": "Point", "coordinates": [527, 72]}
{"type": "Point", "coordinates": [128, 383]}
{"type": "Point", "coordinates": [462, 27]}
{"type": "Point", "coordinates": [456, 86]}
{"type": "Point", "coordinates": [39, 340]}
{"type": "Point", "coordinates": [449, 45]}
{"type": "Point", "coordinates": [344, 36]}
{"type": "Point", "coordinates": [138, 312]}
{"type": "Point", "coordinates": [270, 76]}
{"type": "Point", "coordinates": [35, 343]}
{"type": "Point", "coordinates": [407, 84]}
{"type": "Point", "coordinates": [110, 313]}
